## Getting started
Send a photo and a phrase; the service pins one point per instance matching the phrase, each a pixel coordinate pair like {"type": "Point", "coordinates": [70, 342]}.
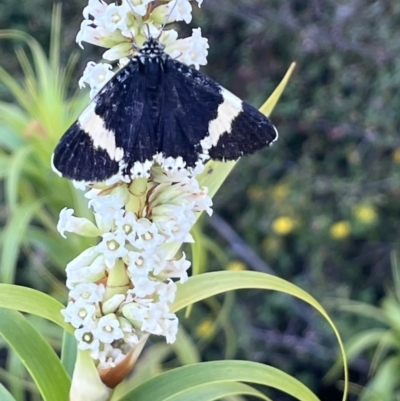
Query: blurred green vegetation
{"type": "Point", "coordinates": [320, 208]}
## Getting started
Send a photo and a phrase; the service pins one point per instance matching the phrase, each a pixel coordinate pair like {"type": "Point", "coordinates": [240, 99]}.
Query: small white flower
{"type": "Point", "coordinates": [95, 8]}
{"type": "Point", "coordinates": [88, 292]}
{"type": "Point", "coordinates": [97, 35]}
{"type": "Point", "coordinates": [167, 292]}
{"type": "Point", "coordinates": [191, 50]}
{"type": "Point", "coordinates": [143, 286]}
{"type": "Point", "coordinates": [178, 269]}
{"type": "Point", "coordinates": [109, 357]}
{"type": "Point", "coordinates": [114, 17]}
{"type": "Point", "coordinates": [126, 223]}
{"type": "Point", "coordinates": [108, 329]}
{"type": "Point", "coordinates": [87, 340]}
{"type": "Point", "coordinates": [96, 76]}
{"type": "Point", "coordinates": [148, 236]}
{"type": "Point", "coordinates": [139, 263]}
{"type": "Point", "coordinates": [79, 184]}
{"type": "Point", "coordinates": [176, 230]}
{"type": "Point", "coordinates": [180, 10]}
{"type": "Point", "coordinates": [150, 322]}
{"type": "Point", "coordinates": [86, 258]}
{"type": "Point", "coordinates": [78, 225]}
{"type": "Point", "coordinates": [79, 313]}
{"type": "Point", "coordinates": [78, 272]}
{"type": "Point", "coordinates": [143, 263]}
{"type": "Point", "coordinates": [112, 247]}
{"type": "Point", "coordinates": [108, 205]}
{"type": "Point", "coordinates": [141, 170]}
{"type": "Point", "coordinates": [169, 327]}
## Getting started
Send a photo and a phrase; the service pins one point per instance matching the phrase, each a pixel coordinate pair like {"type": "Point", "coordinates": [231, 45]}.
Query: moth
{"type": "Point", "coordinates": [157, 109]}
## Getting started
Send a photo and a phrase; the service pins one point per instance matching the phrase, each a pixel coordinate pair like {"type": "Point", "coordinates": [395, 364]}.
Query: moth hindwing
{"type": "Point", "coordinates": [157, 109]}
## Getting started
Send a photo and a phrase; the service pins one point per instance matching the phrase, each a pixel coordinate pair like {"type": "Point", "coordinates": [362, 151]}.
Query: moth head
{"type": "Point", "coordinates": [152, 48]}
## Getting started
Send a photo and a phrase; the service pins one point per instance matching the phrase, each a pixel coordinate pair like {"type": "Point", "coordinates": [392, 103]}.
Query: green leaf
{"type": "Point", "coordinates": [355, 346]}
{"type": "Point", "coordinates": [209, 284]}
{"type": "Point", "coordinates": [185, 348]}
{"type": "Point", "coordinates": [5, 395]}
{"type": "Point", "coordinates": [149, 365]}
{"type": "Point", "coordinates": [38, 357]}
{"type": "Point", "coordinates": [13, 234]}
{"type": "Point", "coordinates": [32, 301]}
{"type": "Point", "coordinates": [69, 352]}
{"type": "Point", "coordinates": [17, 163]}
{"type": "Point", "coordinates": [216, 391]}
{"type": "Point", "coordinates": [383, 386]}
{"type": "Point", "coordinates": [174, 383]}
{"type": "Point", "coordinates": [4, 164]}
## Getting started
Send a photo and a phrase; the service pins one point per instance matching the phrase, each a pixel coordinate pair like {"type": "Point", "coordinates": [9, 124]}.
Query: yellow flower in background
{"type": "Point", "coordinates": [204, 328]}
{"type": "Point", "coordinates": [365, 214]}
{"type": "Point", "coordinates": [283, 225]}
{"type": "Point", "coordinates": [236, 265]}
{"type": "Point", "coordinates": [271, 245]}
{"type": "Point", "coordinates": [280, 192]}
{"type": "Point", "coordinates": [396, 156]}
{"type": "Point", "coordinates": [340, 230]}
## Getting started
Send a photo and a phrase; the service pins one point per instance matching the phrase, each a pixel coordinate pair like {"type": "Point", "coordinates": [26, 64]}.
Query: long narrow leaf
{"type": "Point", "coordinates": [5, 395]}
{"type": "Point", "coordinates": [175, 382]}
{"type": "Point", "coordinates": [38, 357]}
{"type": "Point", "coordinates": [13, 236]}
{"type": "Point", "coordinates": [209, 284]}
{"type": "Point", "coordinates": [216, 391]}
{"type": "Point", "coordinates": [69, 353]}
{"type": "Point", "coordinates": [17, 162]}
{"type": "Point", "coordinates": [32, 301]}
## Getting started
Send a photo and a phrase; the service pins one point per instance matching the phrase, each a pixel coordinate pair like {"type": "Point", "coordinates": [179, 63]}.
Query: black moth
{"type": "Point", "coordinates": [158, 109]}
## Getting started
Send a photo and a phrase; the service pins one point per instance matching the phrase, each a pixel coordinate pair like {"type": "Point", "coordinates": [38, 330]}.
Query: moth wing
{"type": "Point", "coordinates": [190, 101]}
{"type": "Point", "coordinates": [207, 114]}
{"type": "Point", "coordinates": [113, 131]}
{"type": "Point", "coordinates": [250, 131]}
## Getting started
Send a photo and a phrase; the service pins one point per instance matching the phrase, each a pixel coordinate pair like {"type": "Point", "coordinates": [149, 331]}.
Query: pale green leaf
{"type": "Point", "coordinates": [38, 357]}
{"type": "Point", "coordinates": [355, 346]}
{"type": "Point", "coordinates": [363, 309]}
{"type": "Point", "coordinates": [386, 381]}
{"type": "Point", "coordinates": [209, 284]}
{"type": "Point", "coordinates": [149, 365]}
{"type": "Point", "coordinates": [32, 301]}
{"type": "Point", "coordinates": [175, 382]}
{"type": "Point", "coordinates": [4, 163]}
{"type": "Point", "coordinates": [215, 391]}
{"type": "Point", "coordinates": [185, 348]}
{"type": "Point", "coordinates": [69, 352]}
{"type": "Point", "coordinates": [17, 163]}
{"type": "Point", "coordinates": [12, 237]}
{"type": "Point", "coordinates": [5, 395]}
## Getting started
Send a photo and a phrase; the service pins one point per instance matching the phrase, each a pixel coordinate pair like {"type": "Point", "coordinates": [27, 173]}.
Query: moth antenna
{"type": "Point", "coordinates": [148, 31]}
{"type": "Point", "coordinates": [141, 26]}
{"type": "Point", "coordinates": [166, 20]}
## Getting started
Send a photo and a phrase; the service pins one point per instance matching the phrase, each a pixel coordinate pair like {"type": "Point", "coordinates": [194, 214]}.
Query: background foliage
{"type": "Point", "coordinates": [320, 208]}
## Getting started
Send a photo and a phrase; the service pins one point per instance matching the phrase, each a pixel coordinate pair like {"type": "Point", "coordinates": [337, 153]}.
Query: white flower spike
{"type": "Point", "coordinates": [121, 289]}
